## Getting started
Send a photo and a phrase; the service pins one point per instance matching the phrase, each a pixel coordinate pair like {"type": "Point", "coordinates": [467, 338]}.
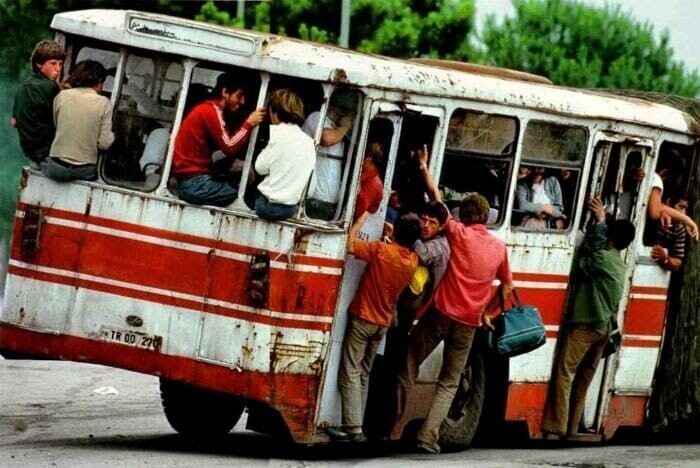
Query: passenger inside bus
{"type": "Point", "coordinates": [670, 170]}
{"type": "Point", "coordinates": [669, 242]}
{"type": "Point", "coordinates": [322, 203]}
{"type": "Point", "coordinates": [83, 120]}
{"type": "Point", "coordinates": [287, 162]}
{"type": "Point", "coordinates": [539, 199]}
{"type": "Point", "coordinates": [202, 132]}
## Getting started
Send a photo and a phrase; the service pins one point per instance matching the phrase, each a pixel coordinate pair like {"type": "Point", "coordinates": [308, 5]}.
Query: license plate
{"type": "Point", "coordinates": [131, 338]}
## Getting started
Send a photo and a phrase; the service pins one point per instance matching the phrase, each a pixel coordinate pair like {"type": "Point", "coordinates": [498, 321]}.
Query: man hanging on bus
{"type": "Point", "coordinates": [390, 267]}
{"type": "Point", "coordinates": [202, 132]}
{"type": "Point", "coordinates": [668, 249]}
{"type": "Point", "coordinates": [32, 114]}
{"type": "Point", "coordinates": [598, 280]}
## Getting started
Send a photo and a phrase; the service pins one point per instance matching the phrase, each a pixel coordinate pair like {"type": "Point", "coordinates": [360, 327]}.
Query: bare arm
{"type": "Point", "coordinates": [430, 185]}
{"type": "Point", "coordinates": [505, 290]}
{"type": "Point", "coordinates": [331, 136]}
{"type": "Point", "coordinates": [352, 235]}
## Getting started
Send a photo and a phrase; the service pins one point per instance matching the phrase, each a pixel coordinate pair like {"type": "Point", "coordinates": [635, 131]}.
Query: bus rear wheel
{"type": "Point", "coordinates": [199, 413]}
{"type": "Point", "coordinates": [459, 428]}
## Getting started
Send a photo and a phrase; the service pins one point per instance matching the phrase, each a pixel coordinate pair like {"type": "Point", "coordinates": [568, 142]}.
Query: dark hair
{"type": "Point", "coordinates": [407, 229]}
{"type": "Point", "coordinates": [46, 50]}
{"type": "Point", "coordinates": [287, 105]}
{"type": "Point", "coordinates": [673, 162]}
{"type": "Point", "coordinates": [671, 197]}
{"type": "Point", "coordinates": [434, 209]}
{"type": "Point", "coordinates": [87, 74]}
{"type": "Point", "coordinates": [230, 83]}
{"type": "Point", "coordinates": [474, 209]}
{"type": "Point", "coordinates": [621, 233]}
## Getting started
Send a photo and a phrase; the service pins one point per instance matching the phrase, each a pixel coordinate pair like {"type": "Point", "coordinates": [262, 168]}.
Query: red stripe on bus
{"type": "Point", "coordinates": [540, 277]}
{"type": "Point", "coordinates": [179, 270]}
{"type": "Point", "coordinates": [624, 410]}
{"type": "Point", "coordinates": [180, 237]}
{"type": "Point", "coordinates": [294, 395]}
{"type": "Point", "coordinates": [644, 317]}
{"type": "Point", "coordinates": [172, 301]}
{"type": "Point", "coordinates": [649, 290]}
{"type": "Point", "coordinates": [525, 402]}
{"type": "Point", "coordinates": [640, 342]}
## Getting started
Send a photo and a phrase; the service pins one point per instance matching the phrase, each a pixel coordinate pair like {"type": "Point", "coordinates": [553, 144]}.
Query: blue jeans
{"type": "Point", "coordinates": [205, 190]}
{"type": "Point", "coordinates": [62, 171]}
{"type": "Point", "coordinates": [273, 211]}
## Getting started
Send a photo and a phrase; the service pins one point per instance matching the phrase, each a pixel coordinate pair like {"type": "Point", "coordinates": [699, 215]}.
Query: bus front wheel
{"type": "Point", "coordinates": [459, 428]}
{"type": "Point", "coordinates": [197, 412]}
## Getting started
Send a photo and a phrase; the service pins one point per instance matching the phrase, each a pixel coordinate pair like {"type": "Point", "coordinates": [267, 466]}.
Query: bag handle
{"type": "Point", "coordinates": [514, 297]}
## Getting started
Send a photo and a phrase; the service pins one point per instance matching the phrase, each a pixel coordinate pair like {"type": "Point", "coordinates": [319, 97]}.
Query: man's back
{"type": "Point", "coordinates": [477, 258]}
{"type": "Point", "coordinates": [33, 111]}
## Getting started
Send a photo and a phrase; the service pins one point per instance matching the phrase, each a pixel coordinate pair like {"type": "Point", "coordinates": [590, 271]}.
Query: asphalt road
{"type": "Point", "coordinates": [78, 415]}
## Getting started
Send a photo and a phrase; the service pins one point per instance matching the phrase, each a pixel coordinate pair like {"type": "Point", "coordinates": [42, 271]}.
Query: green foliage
{"type": "Point", "coordinates": [585, 46]}
{"type": "Point", "coordinates": [209, 13]}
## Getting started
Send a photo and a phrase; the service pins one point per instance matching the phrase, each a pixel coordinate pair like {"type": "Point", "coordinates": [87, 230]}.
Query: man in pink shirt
{"type": "Point", "coordinates": [463, 301]}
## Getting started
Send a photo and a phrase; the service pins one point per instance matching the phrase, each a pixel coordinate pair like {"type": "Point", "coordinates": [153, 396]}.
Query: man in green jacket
{"type": "Point", "coordinates": [32, 114]}
{"type": "Point", "coordinates": [598, 279]}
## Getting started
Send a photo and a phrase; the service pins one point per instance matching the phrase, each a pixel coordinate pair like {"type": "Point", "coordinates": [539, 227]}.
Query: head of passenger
{"type": "Point", "coordinates": [47, 58]}
{"type": "Point", "coordinates": [230, 90]}
{"type": "Point", "coordinates": [407, 229]}
{"type": "Point", "coordinates": [374, 155]}
{"type": "Point", "coordinates": [671, 166]}
{"type": "Point", "coordinates": [474, 209]}
{"type": "Point", "coordinates": [342, 103]}
{"type": "Point", "coordinates": [88, 74]}
{"type": "Point", "coordinates": [621, 233]}
{"type": "Point", "coordinates": [678, 200]}
{"type": "Point", "coordinates": [433, 216]}
{"type": "Point", "coordinates": [285, 106]}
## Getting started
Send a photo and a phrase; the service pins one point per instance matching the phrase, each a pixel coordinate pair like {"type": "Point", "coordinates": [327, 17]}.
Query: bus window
{"type": "Point", "coordinates": [336, 139]}
{"type": "Point", "coordinates": [548, 176]}
{"type": "Point", "coordinates": [142, 122]}
{"type": "Point", "coordinates": [478, 158]}
{"type": "Point", "coordinates": [672, 175]}
{"type": "Point", "coordinates": [108, 58]}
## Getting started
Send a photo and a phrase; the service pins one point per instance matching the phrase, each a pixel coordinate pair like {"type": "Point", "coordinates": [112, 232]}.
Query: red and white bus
{"type": "Point", "coordinates": [120, 272]}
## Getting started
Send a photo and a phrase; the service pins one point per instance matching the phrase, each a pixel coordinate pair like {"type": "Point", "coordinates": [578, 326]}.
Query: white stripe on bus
{"type": "Point", "coordinates": [170, 293]}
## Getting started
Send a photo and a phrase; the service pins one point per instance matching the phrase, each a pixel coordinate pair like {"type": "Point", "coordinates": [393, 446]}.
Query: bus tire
{"type": "Point", "coordinates": [199, 413]}
{"type": "Point", "coordinates": [458, 429]}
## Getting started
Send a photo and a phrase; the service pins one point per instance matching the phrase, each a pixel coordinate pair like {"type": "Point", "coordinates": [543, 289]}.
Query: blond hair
{"type": "Point", "coordinates": [287, 105]}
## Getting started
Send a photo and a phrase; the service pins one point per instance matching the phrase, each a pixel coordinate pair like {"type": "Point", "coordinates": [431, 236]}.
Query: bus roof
{"type": "Point", "coordinates": [323, 62]}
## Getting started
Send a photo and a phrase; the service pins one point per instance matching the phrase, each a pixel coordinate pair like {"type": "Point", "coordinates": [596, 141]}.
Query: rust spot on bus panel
{"type": "Point", "coordinates": [339, 76]}
{"type": "Point", "coordinates": [301, 293]}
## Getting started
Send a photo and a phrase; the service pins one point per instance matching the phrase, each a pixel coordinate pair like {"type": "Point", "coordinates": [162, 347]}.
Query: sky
{"type": "Point", "coordinates": [680, 17]}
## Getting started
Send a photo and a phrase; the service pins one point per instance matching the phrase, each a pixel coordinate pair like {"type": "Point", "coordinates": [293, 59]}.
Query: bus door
{"type": "Point", "coordinates": [390, 125]}
{"type": "Point", "coordinates": [621, 167]}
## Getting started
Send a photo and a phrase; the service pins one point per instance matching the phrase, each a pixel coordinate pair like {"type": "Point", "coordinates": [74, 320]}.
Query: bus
{"type": "Point", "coordinates": [234, 313]}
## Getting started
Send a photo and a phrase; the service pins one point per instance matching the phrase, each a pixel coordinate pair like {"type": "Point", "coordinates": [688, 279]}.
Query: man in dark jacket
{"type": "Point", "coordinates": [32, 113]}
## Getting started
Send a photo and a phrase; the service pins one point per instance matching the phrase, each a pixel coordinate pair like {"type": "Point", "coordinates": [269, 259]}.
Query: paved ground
{"type": "Point", "coordinates": [51, 415]}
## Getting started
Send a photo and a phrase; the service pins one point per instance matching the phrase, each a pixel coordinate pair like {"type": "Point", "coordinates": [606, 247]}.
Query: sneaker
{"type": "Point", "coordinates": [425, 447]}
{"type": "Point", "coordinates": [341, 435]}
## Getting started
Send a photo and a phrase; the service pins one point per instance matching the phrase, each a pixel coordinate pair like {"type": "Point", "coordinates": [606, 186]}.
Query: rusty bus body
{"type": "Point", "coordinates": [121, 272]}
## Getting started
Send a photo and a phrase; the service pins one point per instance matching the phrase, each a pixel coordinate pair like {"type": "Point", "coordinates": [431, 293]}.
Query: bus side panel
{"type": "Point", "coordinates": [158, 287]}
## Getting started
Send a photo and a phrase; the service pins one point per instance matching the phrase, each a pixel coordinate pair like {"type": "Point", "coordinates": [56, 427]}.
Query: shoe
{"type": "Point", "coordinates": [552, 436]}
{"type": "Point", "coordinates": [425, 447]}
{"type": "Point", "coordinates": [341, 435]}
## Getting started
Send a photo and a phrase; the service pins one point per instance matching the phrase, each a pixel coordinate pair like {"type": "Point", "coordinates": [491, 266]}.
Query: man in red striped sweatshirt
{"type": "Point", "coordinates": [202, 132]}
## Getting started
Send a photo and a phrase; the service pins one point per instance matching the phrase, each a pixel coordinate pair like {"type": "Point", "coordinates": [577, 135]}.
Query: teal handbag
{"type": "Point", "coordinates": [518, 330]}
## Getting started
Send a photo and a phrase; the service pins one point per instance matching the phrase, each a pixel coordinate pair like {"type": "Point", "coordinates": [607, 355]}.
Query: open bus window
{"type": "Point", "coordinates": [672, 175]}
{"type": "Point", "coordinates": [548, 176]}
{"type": "Point", "coordinates": [336, 138]}
{"type": "Point", "coordinates": [311, 94]}
{"type": "Point", "coordinates": [108, 58]}
{"type": "Point", "coordinates": [142, 122]}
{"type": "Point", "coordinates": [408, 186]}
{"type": "Point", "coordinates": [478, 158]}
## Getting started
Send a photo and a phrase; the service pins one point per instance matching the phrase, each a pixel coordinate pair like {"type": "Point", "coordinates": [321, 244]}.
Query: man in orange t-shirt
{"type": "Point", "coordinates": [389, 269]}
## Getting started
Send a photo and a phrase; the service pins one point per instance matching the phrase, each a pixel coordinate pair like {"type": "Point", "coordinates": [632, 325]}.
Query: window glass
{"type": "Point", "coordinates": [478, 158]}
{"type": "Point", "coordinates": [337, 138]}
{"type": "Point", "coordinates": [143, 120]}
{"type": "Point", "coordinates": [548, 176]}
{"type": "Point", "coordinates": [108, 58]}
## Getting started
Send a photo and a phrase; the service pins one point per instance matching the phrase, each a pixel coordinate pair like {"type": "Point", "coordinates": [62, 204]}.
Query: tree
{"type": "Point", "coordinates": [398, 28]}
{"type": "Point", "coordinates": [585, 46]}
